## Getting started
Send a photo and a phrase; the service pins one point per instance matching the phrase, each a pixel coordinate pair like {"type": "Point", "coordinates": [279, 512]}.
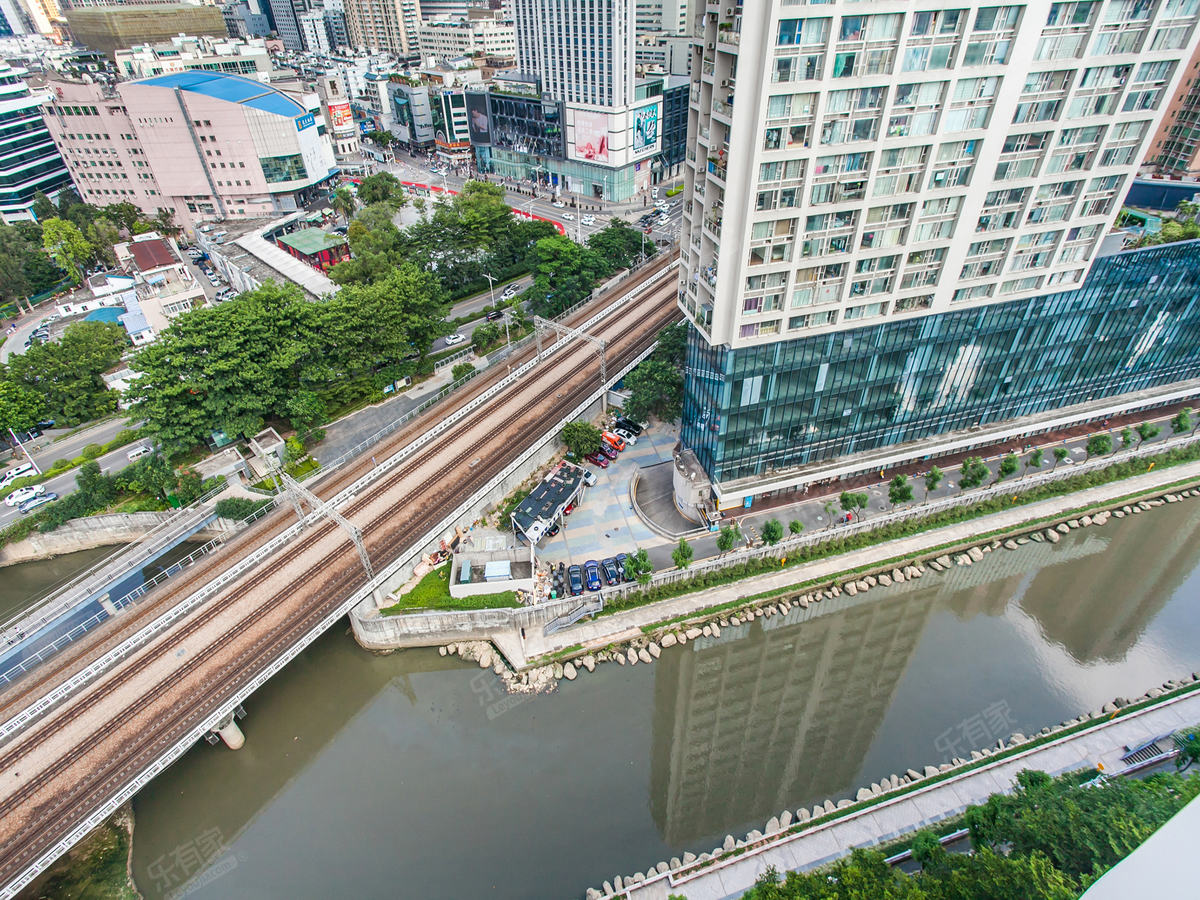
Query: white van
{"type": "Point", "coordinates": [139, 452]}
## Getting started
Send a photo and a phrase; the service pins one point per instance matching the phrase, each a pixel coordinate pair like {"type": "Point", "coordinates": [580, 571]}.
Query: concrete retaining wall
{"type": "Point", "coordinates": [98, 531]}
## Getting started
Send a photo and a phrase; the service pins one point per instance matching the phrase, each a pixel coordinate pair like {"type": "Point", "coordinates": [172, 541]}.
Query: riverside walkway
{"type": "Point", "coordinates": [625, 626]}
{"type": "Point", "coordinates": [1102, 745]}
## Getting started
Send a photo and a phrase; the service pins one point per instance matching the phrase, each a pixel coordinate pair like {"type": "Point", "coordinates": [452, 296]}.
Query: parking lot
{"type": "Point", "coordinates": [603, 523]}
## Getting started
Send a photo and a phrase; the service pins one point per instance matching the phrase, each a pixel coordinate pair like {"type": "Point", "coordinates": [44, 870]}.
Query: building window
{"type": "Point", "coordinates": [283, 168]}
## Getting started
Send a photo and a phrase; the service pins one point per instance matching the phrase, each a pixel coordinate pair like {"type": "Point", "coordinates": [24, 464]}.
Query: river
{"type": "Point", "coordinates": [410, 776]}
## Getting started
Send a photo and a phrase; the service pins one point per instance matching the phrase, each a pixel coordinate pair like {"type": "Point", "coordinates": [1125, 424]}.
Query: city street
{"type": "Point", "coordinates": [604, 522]}
{"type": "Point", "coordinates": [69, 448]}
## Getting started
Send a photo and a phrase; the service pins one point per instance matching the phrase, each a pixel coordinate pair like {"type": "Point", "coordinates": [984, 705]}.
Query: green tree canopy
{"type": "Point", "coordinates": [729, 537]}
{"type": "Point", "coordinates": [67, 374]}
{"type": "Point", "coordinates": [581, 438]}
{"type": "Point", "coordinates": [682, 555]}
{"type": "Point", "coordinates": [1008, 466]}
{"type": "Point", "coordinates": [1099, 444]}
{"type": "Point", "coordinates": [621, 244]}
{"type": "Point", "coordinates": [20, 408]}
{"type": "Point", "coordinates": [899, 490]}
{"type": "Point", "coordinates": [972, 473]}
{"type": "Point", "coordinates": [382, 187]}
{"type": "Point", "coordinates": [66, 245]}
{"type": "Point", "coordinates": [932, 479]}
{"type": "Point", "coordinates": [656, 388]}
{"type": "Point", "coordinates": [772, 532]}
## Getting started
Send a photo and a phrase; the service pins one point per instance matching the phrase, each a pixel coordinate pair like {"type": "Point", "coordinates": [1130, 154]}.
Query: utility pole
{"type": "Point", "coordinates": [296, 493]}
{"type": "Point", "coordinates": [601, 345]}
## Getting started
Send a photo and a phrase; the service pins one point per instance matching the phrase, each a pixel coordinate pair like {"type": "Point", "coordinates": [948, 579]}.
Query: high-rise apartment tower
{"type": "Point", "coordinates": [863, 171]}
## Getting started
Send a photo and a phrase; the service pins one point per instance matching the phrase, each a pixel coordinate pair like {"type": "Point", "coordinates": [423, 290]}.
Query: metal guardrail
{"type": "Point", "coordinates": [589, 607]}
{"type": "Point", "coordinates": [54, 605]}
{"type": "Point", "coordinates": [447, 360]}
{"type": "Point", "coordinates": [1000, 489]}
{"type": "Point", "coordinates": [206, 725]}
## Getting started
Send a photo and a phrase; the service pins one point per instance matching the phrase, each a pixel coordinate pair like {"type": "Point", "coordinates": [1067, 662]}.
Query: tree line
{"type": "Point", "coordinates": [1051, 839]}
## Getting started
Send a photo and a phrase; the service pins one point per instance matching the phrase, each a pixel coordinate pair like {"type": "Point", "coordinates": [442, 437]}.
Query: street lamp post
{"type": "Point", "coordinates": [491, 296]}
{"type": "Point", "coordinates": [28, 454]}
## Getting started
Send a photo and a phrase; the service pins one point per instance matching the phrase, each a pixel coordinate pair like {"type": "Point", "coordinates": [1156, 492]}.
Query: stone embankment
{"type": "Point", "coordinates": [98, 531]}
{"type": "Point", "coordinates": [788, 826]}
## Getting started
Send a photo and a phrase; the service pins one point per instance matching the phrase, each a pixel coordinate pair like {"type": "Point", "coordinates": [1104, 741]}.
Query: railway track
{"type": "Point", "coordinates": [79, 655]}
{"type": "Point", "coordinates": [242, 630]}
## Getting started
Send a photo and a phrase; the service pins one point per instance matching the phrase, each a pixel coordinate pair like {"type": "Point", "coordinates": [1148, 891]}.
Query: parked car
{"type": "Point", "coordinates": [589, 478]}
{"type": "Point", "coordinates": [611, 574]}
{"type": "Point", "coordinates": [568, 509]}
{"type": "Point", "coordinates": [627, 436]}
{"type": "Point", "coordinates": [607, 451]}
{"type": "Point", "coordinates": [628, 424]}
{"type": "Point", "coordinates": [554, 530]}
{"type": "Point", "coordinates": [622, 559]}
{"type": "Point", "coordinates": [597, 459]}
{"type": "Point", "coordinates": [613, 440]}
{"type": "Point", "coordinates": [20, 495]}
{"type": "Point", "coordinates": [30, 505]}
{"type": "Point", "coordinates": [591, 571]}
{"type": "Point", "coordinates": [575, 580]}
{"type": "Point", "coordinates": [452, 339]}
{"type": "Point", "coordinates": [14, 473]}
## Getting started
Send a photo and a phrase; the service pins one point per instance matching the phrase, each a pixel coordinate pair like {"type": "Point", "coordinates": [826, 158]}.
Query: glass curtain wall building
{"type": "Point", "coordinates": [29, 159]}
{"type": "Point", "coordinates": [891, 213]}
{"type": "Point", "coordinates": [1134, 324]}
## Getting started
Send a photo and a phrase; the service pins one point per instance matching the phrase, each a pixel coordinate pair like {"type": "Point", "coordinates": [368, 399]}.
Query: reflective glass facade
{"type": "Point", "coordinates": [1134, 324]}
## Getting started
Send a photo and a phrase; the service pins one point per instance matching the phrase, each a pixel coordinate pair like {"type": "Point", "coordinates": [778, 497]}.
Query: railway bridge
{"type": "Point", "coordinates": [80, 734]}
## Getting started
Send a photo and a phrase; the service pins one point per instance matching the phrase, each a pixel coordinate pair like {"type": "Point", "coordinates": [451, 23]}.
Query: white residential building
{"type": "Point", "coordinates": [878, 161]}
{"type": "Point", "coordinates": [314, 32]}
{"type": "Point", "coordinates": [448, 37]}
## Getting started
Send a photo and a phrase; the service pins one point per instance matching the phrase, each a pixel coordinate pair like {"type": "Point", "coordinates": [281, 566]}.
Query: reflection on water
{"type": "Point", "coordinates": [22, 584]}
{"type": "Point", "coordinates": [399, 776]}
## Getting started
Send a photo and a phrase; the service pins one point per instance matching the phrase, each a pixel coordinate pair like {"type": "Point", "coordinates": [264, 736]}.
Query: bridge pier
{"type": "Point", "coordinates": [228, 729]}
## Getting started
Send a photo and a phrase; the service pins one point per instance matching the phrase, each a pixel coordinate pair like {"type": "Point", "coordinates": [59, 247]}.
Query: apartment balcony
{"type": "Point", "coordinates": [731, 39]}
{"type": "Point", "coordinates": [707, 67]}
{"type": "Point", "coordinates": [691, 154]}
{"type": "Point", "coordinates": [718, 169]}
{"type": "Point", "coordinates": [723, 108]}
{"type": "Point", "coordinates": [694, 95]}
{"type": "Point", "coordinates": [713, 225]}
{"type": "Point", "coordinates": [702, 133]}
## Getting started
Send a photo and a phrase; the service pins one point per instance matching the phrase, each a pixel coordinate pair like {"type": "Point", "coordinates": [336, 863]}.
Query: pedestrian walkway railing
{"type": "Point", "coordinates": [589, 607]}
{"type": "Point", "coordinates": [790, 545]}
{"type": "Point", "coordinates": [154, 541]}
{"type": "Point", "coordinates": [453, 358]}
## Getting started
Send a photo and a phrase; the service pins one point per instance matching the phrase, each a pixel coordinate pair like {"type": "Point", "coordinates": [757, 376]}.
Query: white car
{"type": "Point", "coordinates": [588, 220]}
{"type": "Point", "coordinates": [589, 478]}
{"type": "Point", "coordinates": [558, 204]}
{"type": "Point", "coordinates": [14, 473]}
{"type": "Point", "coordinates": [627, 436]}
{"type": "Point", "coordinates": [20, 495]}
{"type": "Point", "coordinates": [452, 339]}
{"type": "Point", "coordinates": [510, 292]}
{"type": "Point", "coordinates": [654, 194]}
{"type": "Point", "coordinates": [568, 217]}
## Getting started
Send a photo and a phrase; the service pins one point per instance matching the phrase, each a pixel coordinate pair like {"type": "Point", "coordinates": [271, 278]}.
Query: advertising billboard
{"type": "Point", "coordinates": [479, 124]}
{"type": "Point", "coordinates": [591, 136]}
{"type": "Point", "coordinates": [645, 128]}
{"type": "Point", "coordinates": [341, 117]}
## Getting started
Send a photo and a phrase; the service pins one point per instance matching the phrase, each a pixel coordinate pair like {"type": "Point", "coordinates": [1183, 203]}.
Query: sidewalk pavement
{"type": "Point", "coordinates": [890, 819]}
{"type": "Point", "coordinates": [350, 431]}
{"type": "Point", "coordinates": [626, 625]}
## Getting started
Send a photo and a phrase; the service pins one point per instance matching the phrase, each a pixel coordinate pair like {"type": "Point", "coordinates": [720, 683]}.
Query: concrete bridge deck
{"type": "Point", "coordinates": [215, 636]}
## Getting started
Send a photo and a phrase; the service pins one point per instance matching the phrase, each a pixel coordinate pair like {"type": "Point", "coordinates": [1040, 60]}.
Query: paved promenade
{"type": "Point", "coordinates": [626, 625]}
{"type": "Point", "coordinates": [1104, 744]}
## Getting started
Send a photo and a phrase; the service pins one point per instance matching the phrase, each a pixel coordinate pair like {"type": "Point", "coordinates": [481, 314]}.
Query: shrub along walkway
{"type": "Point", "coordinates": [626, 625]}
{"type": "Point", "coordinates": [889, 819]}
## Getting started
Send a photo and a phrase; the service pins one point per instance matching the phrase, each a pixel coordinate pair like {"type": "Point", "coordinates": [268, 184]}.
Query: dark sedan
{"type": "Point", "coordinates": [607, 450]}
{"type": "Point", "coordinates": [622, 559]}
{"type": "Point", "coordinates": [611, 575]}
{"type": "Point", "coordinates": [591, 571]}
{"type": "Point", "coordinates": [575, 580]}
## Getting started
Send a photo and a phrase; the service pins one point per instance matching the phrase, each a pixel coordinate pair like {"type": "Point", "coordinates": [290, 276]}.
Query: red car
{"type": "Point", "coordinates": [597, 460]}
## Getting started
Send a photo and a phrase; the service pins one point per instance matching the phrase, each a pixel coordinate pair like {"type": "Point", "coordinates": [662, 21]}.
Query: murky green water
{"type": "Point", "coordinates": [402, 777]}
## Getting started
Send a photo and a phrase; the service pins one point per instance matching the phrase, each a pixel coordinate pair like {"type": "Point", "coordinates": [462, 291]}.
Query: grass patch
{"type": "Point", "coordinates": [505, 523]}
{"type": "Point", "coordinates": [143, 503]}
{"type": "Point", "coordinates": [433, 592]}
{"type": "Point", "coordinates": [836, 546]}
{"type": "Point", "coordinates": [299, 471]}
{"type": "Point", "coordinates": [96, 869]}
{"type": "Point", "coordinates": [671, 192]}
